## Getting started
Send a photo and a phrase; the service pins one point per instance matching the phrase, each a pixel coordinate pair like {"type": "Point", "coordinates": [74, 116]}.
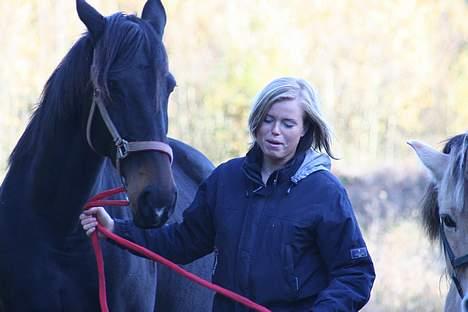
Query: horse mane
{"type": "Point", "coordinates": [430, 212]}
{"type": "Point", "coordinates": [455, 184]}
{"type": "Point", "coordinates": [68, 90]}
{"type": "Point", "coordinates": [59, 98]}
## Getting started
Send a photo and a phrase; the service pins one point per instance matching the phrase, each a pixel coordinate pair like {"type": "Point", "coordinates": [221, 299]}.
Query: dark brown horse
{"type": "Point", "coordinates": [103, 108]}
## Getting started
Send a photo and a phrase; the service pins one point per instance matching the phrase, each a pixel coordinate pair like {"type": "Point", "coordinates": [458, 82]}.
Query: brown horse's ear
{"type": "Point", "coordinates": [436, 162]}
{"type": "Point", "coordinates": [154, 13]}
{"type": "Point", "coordinates": [93, 20]}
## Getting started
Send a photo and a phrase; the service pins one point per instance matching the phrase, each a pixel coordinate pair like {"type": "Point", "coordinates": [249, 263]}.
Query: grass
{"type": "Point", "coordinates": [410, 271]}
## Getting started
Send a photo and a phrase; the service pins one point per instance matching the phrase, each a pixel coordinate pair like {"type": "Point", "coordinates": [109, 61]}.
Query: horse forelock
{"type": "Point", "coordinates": [123, 36]}
{"type": "Point", "coordinates": [454, 185]}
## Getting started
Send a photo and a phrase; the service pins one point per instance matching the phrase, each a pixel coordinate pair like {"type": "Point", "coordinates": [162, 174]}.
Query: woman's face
{"type": "Point", "coordinates": [279, 133]}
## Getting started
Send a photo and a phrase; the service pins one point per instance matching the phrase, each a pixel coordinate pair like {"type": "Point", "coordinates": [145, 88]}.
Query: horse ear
{"type": "Point", "coordinates": [93, 20]}
{"type": "Point", "coordinates": [431, 158]}
{"type": "Point", "coordinates": [155, 14]}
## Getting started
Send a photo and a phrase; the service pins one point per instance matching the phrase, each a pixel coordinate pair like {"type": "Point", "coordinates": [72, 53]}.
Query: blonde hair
{"type": "Point", "coordinates": [318, 135]}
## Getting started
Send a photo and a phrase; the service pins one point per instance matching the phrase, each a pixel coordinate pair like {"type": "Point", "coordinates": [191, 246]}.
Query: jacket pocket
{"type": "Point", "coordinates": [289, 272]}
{"type": "Point", "coordinates": [219, 272]}
{"type": "Point", "coordinates": [279, 254]}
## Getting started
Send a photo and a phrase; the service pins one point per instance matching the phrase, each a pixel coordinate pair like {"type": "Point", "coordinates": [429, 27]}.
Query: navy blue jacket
{"type": "Point", "coordinates": [290, 245]}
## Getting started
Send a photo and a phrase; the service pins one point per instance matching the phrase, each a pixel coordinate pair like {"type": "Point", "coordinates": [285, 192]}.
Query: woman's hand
{"type": "Point", "coordinates": [89, 219]}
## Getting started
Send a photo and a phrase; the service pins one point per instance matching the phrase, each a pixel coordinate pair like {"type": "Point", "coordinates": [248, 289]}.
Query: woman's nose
{"type": "Point", "coordinates": [275, 129]}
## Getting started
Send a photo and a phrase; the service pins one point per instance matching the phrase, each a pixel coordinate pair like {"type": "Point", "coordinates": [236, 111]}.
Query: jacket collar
{"type": "Point", "coordinates": [252, 166]}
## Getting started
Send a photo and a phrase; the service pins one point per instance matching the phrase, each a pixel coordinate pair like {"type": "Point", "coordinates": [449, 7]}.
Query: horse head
{"type": "Point", "coordinates": [446, 210]}
{"type": "Point", "coordinates": [127, 120]}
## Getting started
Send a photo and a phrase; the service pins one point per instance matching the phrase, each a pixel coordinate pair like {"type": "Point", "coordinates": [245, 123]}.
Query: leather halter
{"type": "Point", "coordinates": [123, 147]}
{"type": "Point", "coordinates": [455, 262]}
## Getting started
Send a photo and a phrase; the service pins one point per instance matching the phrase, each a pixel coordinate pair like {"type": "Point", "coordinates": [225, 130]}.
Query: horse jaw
{"type": "Point", "coordinates": [433, 160]}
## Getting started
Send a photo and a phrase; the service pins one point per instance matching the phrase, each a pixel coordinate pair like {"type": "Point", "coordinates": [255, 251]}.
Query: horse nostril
{"type": "Point", "coordinates": [153, 210]}
{"type": "Point", "coordinates": [144, 204]}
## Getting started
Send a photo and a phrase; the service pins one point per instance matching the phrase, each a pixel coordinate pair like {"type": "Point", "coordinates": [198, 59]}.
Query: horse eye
{"type": "Point", "coordinates": [448, 221]}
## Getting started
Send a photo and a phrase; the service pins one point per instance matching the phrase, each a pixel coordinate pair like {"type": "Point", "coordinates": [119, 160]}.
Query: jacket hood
{"type": "Point", "coordinates": [313, 162]}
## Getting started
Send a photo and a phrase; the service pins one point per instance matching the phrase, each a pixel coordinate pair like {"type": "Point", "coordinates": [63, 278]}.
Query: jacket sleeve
{"type": "Point", "coordinates": [344, 253]}
{"type": "Point", "coordinates": [179, 242]}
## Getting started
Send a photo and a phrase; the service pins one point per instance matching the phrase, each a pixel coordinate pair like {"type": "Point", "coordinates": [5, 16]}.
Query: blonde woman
{"type": "Point", "coordinates": [281, 225]}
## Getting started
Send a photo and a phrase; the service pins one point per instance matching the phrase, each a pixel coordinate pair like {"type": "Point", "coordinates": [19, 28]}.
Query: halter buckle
{"type": "Point", "coordinates": [122, 148]}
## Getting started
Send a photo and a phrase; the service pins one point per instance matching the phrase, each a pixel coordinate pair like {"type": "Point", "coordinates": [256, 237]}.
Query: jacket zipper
{"type": "Point", "coordinates": [257, 189]}
{"type": "Point", "coordinates": [275, 180]}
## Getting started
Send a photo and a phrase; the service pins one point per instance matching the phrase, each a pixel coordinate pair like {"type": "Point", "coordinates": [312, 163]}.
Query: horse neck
{"type": "Point", "coordinates": [54, 180]}
{"type": "Point", "coordinates": [68, 165]}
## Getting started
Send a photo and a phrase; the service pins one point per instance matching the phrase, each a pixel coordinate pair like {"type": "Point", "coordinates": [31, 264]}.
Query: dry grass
{"type": "Point", "coordinates": [409, 270]}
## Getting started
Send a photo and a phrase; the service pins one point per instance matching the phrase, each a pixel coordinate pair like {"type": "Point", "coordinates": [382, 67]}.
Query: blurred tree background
{"type": "Point", "coordinates": [386, 71]}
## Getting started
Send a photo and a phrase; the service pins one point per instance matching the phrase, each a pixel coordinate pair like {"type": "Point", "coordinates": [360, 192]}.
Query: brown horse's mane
{"type": "Point", "coordinates": [430, 212]}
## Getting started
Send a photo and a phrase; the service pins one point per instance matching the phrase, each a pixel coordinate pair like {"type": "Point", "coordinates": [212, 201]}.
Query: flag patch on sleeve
{"type": "Point", "coordinates": [358, 253]}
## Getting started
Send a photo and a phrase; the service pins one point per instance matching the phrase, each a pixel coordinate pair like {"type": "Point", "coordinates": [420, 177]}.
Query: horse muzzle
{"type": "Point", "coordinates": [154, 208]}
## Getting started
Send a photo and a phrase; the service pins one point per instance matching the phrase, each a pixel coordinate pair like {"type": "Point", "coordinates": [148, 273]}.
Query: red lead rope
{"type": "Point", "coordinates": [99, 200]}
